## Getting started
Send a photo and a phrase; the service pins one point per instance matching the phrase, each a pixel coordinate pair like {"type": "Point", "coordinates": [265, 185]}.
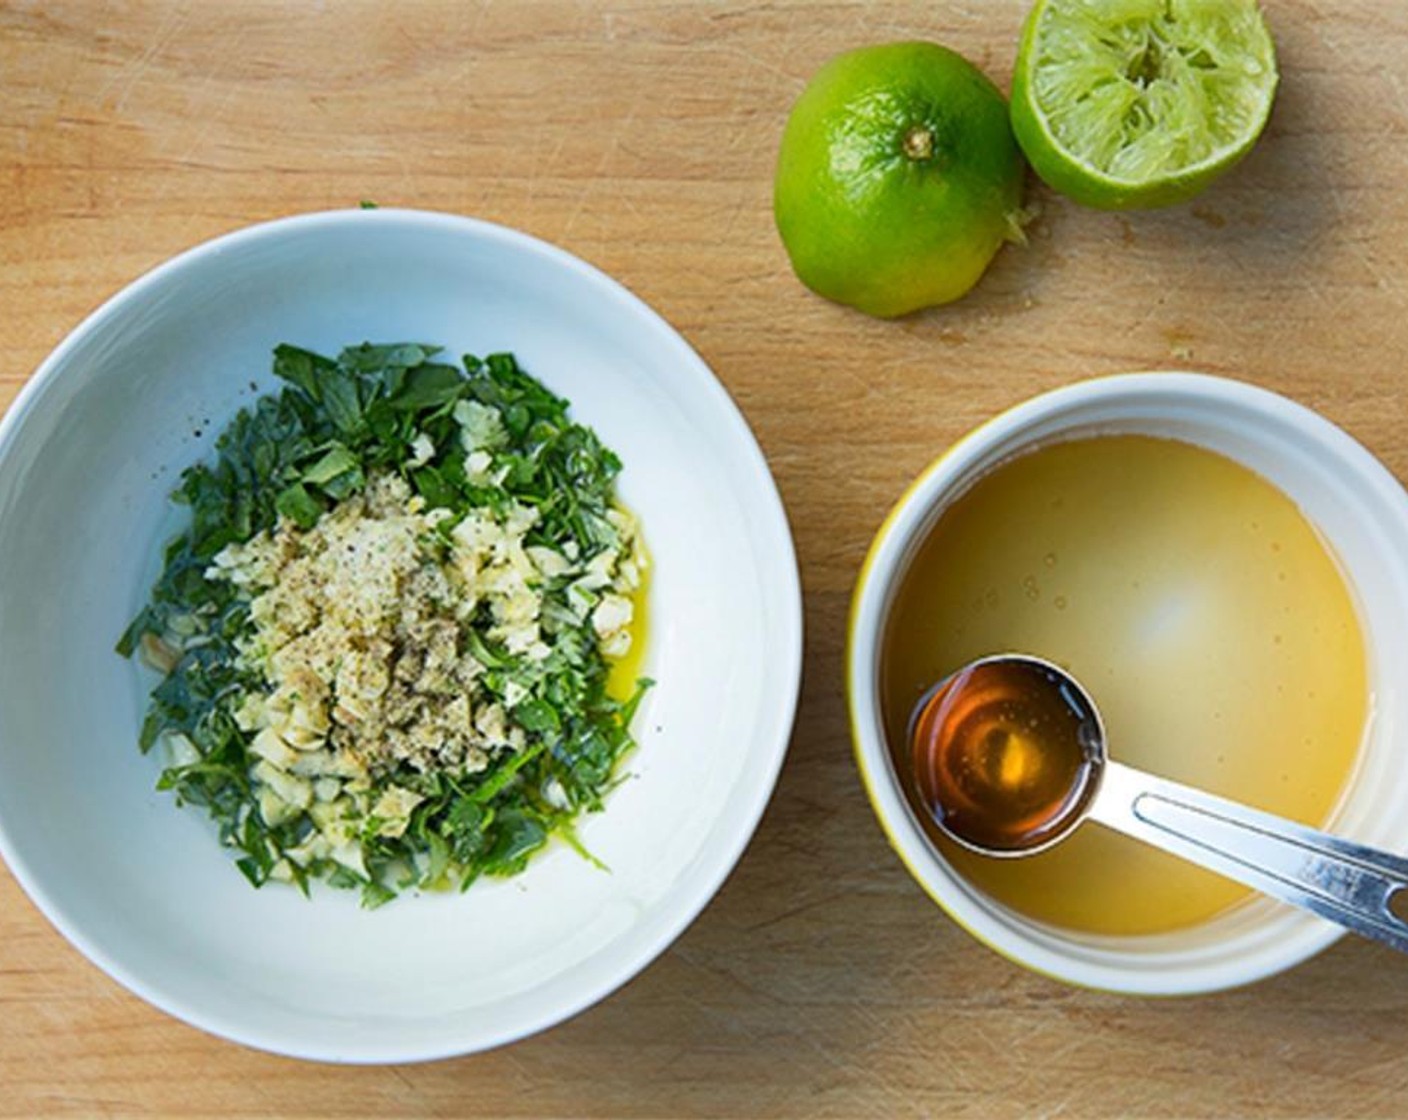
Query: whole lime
{"type": "Point", "coordinates": [898, 178]}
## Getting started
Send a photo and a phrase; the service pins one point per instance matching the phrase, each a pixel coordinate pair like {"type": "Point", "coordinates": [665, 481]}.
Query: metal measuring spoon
{"type": "Point", "coordinates": [1010, 757]}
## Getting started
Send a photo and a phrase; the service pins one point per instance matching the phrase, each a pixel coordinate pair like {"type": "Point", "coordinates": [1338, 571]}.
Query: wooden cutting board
{"type": "Point", "coordinates": [820, 982]}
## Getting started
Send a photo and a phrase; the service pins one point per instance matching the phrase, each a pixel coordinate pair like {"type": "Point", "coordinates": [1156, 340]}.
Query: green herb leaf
{"type": "Point", "coordinates": [430, 484]}
{"type": "Point", "coordinates": [518, 834]}
{"type": "Point", "coordinates": [336, 461]}
{"type": "Point", "coordinates": [429, 386]}
{"type": "Point", "coordinates": [375, 894]}
{"type": "Point", "coordinates": [480, 649]}
{"type": "Point", "coordinates": [151, 730]}
{"type": "Point", "coordinates": [299, 506]}
{"type": "Point", "coordinates": [142, 624]}
{"type": "Point", "coordinates": [299, 366]}
{"type": "Point", "coordinates": [537, 716]}
{"type": "Point", "coordinates": [500, 777]}
{"type": "Point", "coordinates": [339, 397]}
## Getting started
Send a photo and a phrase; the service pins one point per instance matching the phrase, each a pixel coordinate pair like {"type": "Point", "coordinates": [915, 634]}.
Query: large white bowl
{"type": "Point", "coordinates": [88, 454]}
{"type": "Point", "coordinates": [1355, 503]}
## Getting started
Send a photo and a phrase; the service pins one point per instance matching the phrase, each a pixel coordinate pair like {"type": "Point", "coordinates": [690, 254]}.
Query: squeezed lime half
{"type": "Point", "coordinates": [1123, 104]}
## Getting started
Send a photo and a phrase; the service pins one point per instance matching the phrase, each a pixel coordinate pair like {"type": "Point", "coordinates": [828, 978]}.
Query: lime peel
{"type": "Point", "coordinates": [898, 178]}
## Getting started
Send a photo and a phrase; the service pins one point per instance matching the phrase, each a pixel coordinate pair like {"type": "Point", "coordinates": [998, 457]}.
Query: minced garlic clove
{"type": "Point", "coordinates": [268, 744]}
{"type": "Point", "coordinates": [297, 791]}
{"type": "Point", "coordinates": [157, 653]}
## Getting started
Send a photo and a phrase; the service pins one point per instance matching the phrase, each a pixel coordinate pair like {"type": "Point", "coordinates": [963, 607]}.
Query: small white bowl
{"type": "Point", "coordinates": [1362, 512]}
{"type": "Point", "coordinates": [88, 455]}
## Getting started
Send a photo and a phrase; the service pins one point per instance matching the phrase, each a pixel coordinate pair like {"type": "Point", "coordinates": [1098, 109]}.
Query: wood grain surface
{"type": "Point", "coordinates": [641, 136]}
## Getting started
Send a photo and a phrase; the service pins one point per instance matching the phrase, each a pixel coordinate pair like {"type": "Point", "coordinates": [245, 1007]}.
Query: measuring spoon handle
{"type": "Point", "coordinates": [1345, 882]}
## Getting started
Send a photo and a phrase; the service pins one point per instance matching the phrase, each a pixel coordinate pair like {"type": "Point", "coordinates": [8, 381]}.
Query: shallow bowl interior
{"type": "Point", "coordinates": [1362, 512]}
{"type": "Point", "coordinates": [87, 458]}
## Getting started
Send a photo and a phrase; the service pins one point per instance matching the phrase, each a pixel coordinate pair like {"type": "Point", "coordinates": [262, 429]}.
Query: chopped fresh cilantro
{"type": "Point", "coordinates": [290, 458]}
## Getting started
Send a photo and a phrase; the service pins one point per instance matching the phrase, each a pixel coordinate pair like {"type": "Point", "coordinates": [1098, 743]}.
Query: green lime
{"type": "Point", "coordinates": [1121, 104]}
{"type": "Point", "coordinates": [897, 179]}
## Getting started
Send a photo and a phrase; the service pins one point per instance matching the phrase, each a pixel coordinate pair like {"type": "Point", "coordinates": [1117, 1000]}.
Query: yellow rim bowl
{"type": "Point", "coordinates": [1363, 513]}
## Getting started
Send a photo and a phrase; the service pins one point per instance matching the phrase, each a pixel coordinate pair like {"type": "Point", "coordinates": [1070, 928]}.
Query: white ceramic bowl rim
{"type": "Point", "coordinates": [1248, 943]}
{"type": "Point", "coordinates": [774, 544]}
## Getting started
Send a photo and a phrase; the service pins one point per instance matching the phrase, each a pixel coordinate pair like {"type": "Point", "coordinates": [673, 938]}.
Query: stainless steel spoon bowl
{"type": "Point", "coordinates": [1356, 886]}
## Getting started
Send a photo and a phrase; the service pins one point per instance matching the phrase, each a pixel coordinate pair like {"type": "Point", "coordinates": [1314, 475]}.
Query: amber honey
{"type": "Point", "coordinates": [1199, 607]}
{"type": "Point", "coordinates": [1005, 755]}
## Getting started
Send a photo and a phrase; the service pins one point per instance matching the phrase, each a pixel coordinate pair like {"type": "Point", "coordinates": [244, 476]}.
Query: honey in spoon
{"type": "Point", "coordinates": [1010, 757]}
{"type": "Point", "coordinates": [1006, 755]}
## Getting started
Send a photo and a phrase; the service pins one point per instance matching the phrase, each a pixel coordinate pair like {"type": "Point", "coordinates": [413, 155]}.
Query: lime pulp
{"type": "Point", "coordinates": [1128, 103]}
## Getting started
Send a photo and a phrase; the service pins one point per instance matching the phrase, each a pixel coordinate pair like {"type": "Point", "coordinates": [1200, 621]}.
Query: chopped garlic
{"type": "Point", "coordinates": [481, 426]}
{"type": "Point", "coordinates": [298, 792]}
{"type": "Point", "coordinates": [549, 562]}
{"type": "Point", "coordinates": [268, 744]}
{"type": "Point", "coordinates": [350, 856]}
{"type": "Point", "coordinates": [422, 450]}
{"type": "Point", "coordinates": [180, 749]}
{"type": "Point", "coordinates": [612, 621]}
{"type": "Point", "coordinates": [273, 808]}
{"type": "Point", "coordinates": [394, 809]}
{"type": "Point", "coordinates": [477, 466]}
{"type": "Point", "coordinates": [158, 653]}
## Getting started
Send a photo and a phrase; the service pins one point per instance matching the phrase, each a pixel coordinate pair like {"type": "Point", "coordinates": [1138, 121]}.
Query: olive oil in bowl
{"type": "Point", "coordinates": [1200, 607]}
